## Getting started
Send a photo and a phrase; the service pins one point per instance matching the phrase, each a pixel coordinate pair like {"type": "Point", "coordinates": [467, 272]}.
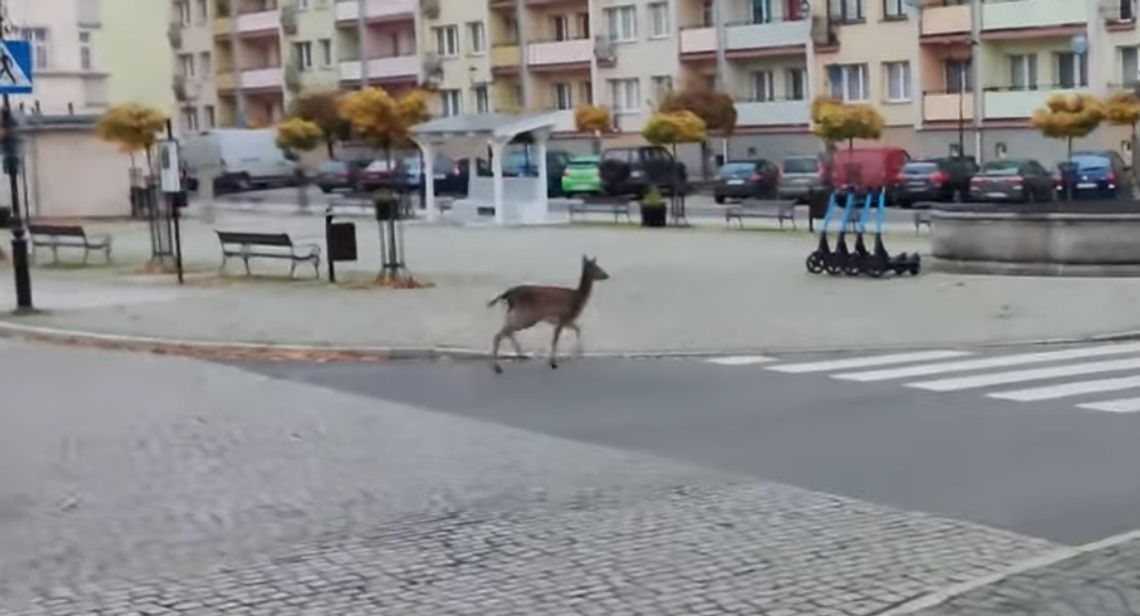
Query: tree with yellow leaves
{"type": "Point", "coordinates": [296, 136]}
{"type": "Point", "coordinates": [1067, 116]}
{"type": "Point", "coordinates": [133, 127]}
{"type": "Point", "coordinates": [834, 122]}
{"type": "Point", "coordinates": [671, 129]}
{"type": "Point", "coordinates": [1123, 109]}
{"type": "Point", "coordinates": [383, 121]}
{"type": "Point", "coordinates": [594, 120]}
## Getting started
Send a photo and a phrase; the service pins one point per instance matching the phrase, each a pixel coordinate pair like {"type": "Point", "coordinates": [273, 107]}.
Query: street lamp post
{"type": "Point", "coordinates": [19, 231]}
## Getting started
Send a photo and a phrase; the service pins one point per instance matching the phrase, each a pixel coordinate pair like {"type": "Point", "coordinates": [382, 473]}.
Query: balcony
{"type": "Point", "coordinates": [698, 40]}
{"type": "Point", "coordinates": [772, 113]}
{"type": "Point", "coordinates": [222, 26]}
{"type": "Point", "coordinates": [1003, 103]}
{"type": "Point", "coordinates": [262, 22]}
{"type": "Point", "coordinates": [943, 106]}
{"type": "Point", "coordinates": [560, 54]}
{"type": "Point", "coordinates": [766, 38]}
{"type": "Point", "coordinates": [225, 80]}
{"type": "Point", "coordinates": [564, 120]}
{"type": "Point", "coordinates": [395, 68]}
{"type": "Point", "coordinates": [376, 10]}
{"type": "Point", "coordinates": [263, 78]}
{"type": "Point", "coordinates": [1026, 14]}
{"type": "Point", "coordinates": [506, 58]}
{"type": "Point", "coordinates": [942, 20]}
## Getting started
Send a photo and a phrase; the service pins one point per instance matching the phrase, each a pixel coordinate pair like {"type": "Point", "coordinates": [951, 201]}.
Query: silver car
{"type": "Point", "coordinates": [800, 176]}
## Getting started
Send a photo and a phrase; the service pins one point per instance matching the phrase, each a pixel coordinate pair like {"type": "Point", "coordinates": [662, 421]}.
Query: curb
{"type": "Point", "coordinates": [324, 353]}
{"type": "Point", "coordinates": [1054, 557]}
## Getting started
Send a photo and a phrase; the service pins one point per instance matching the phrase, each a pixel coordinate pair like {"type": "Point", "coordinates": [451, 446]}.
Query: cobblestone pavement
{"type": "Point", "coordinates": [1105, 582]}
{"type": "Point", "coordinates": [208, 490]}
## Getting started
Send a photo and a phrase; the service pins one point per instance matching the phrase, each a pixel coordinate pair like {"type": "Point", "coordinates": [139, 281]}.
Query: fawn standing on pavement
{"type": "Point", "coordinates": [527, 305]}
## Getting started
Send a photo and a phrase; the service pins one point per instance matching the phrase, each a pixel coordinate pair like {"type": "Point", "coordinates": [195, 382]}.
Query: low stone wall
{"type": "Point", "coordinates": [1094, 239]}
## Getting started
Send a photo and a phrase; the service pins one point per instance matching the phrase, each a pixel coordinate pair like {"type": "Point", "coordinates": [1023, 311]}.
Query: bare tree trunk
{"type": "Point", "coordinates": [330, 147]}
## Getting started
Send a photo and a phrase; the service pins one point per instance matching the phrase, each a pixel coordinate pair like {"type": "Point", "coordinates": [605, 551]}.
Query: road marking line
{"type": "Point", "coordinates": [1127, 405]}
{"type": "Point", "coordinates": [740, 360]}
{"type": "Point", "coordinates": [1019, 376]}
{"type": "Point", "coordinates": [1066, 390]}
{"type": "Point", "coordinates": [991, 362]}
{"type": "Point", "coordinates": [875, 360]}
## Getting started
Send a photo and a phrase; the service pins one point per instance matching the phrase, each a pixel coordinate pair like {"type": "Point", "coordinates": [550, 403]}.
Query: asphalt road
{"type": "Point", "coordinates": [1043, 466]}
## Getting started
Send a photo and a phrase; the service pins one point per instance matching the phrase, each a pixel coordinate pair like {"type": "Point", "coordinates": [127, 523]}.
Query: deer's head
{"type": "Point", "coordinates": [593, 271]}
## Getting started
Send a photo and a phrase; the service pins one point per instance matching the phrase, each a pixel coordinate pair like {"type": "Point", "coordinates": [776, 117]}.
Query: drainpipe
{"type": "Point", "coordinates": [361, 46]}
{"type": "Point", "coordinates": [524, 72]}
{"type": "Point", "coordinates": [721, 60]}
{"type": "Point", "coordinates": [239, 91]}
{"type": "Point", "coordinates": [977, 65]}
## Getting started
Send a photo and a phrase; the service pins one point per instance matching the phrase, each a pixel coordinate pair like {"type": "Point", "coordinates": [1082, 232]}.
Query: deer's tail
{"type": "Point", "coordinates": [501, 297]}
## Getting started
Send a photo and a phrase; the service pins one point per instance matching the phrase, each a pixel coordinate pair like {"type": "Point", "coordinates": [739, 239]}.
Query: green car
{"type": "Point", "coordinates": [581, 176]}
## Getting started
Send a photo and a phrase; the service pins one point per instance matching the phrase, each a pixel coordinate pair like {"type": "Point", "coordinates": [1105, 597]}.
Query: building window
{"type": "Point", "coordinates": [583, 25]}
{"type": "Point", "coordinates": [846, 10]}
{"type": "Point", "coordinates": [303, 54]}
{"type": "Point", "coordinates": [452, 103]}
{"type": "Point", "coordinates": [560, 27]}
{"type": "Point", "coordinates": [478, 37]}
{"type": "Point", "coordinates": [622, 22]}
{"type": "Point", "coordinates": [203, 11]}
{"type": "Point", "coordinates": [959, 76]}
{"type": "Point", "coordinates": [38, 37]}
{"type": "Point", "coordinates": [1023, 72]}
{"type": "Point", "coordinates": [894, 9]}
{"type": "Point", "coordinates": [626, 95]}
{"type": "Point", "coordinates": [511, 25]}
{"type": "Point", "coordinates": [659, 20]}
{"type": "Point", "coordinates": [761, 11]}
{"type": "Point", "coordinates": [763, 86]}
{"type": "Point", "coordinates": [303, 5]}
{"type": "Point", "coordinates": [563, 96]}
{"type": "Point", "coordinates": [447, 41]}
{"type": "Point", "coordinates": [707, 18]}
{"type": "Point", "coordinates": [587, 91]}
{"type": "Point", "coordinates": [898, 81]}
{"type": "Point", "coordinates": [662, 86]}
{"type": "Point", "coordinates": [186, 65]}
{"type": "Point", "coordinates": [849, 82]}
{"type": "Point", "coordinates": [211, 116]}
{"type": "Point", "coordinates": [182, 9]}
{"type": "Point", "coordinates": [190, 118]}
{"type": "Point", "coordinates": [326, 53]}
{"type": "Point", "coordinates": [520, 100]}
{"type": "Point", "coordinates": [795, 79]}
{"type": "Point", "coordinates": [1072, 70]}
{"type": "Point", "coordinates": [482, 100]}
{"type": "Point", "coordinates": [1129, 67]}
{"type": "Point", "coordinates": [204, 63]}
{"type": "Point", "coordinates": [85, 61]}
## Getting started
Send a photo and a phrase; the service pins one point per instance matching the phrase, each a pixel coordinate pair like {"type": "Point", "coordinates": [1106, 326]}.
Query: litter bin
{"type": "Point", "coordinates": [340, 240]}
{"type": "Point", "coordinates": [5, 217]}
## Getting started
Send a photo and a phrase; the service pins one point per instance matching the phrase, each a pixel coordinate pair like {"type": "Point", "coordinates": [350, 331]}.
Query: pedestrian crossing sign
{"type": "Point", "coordinates": [15, 67]}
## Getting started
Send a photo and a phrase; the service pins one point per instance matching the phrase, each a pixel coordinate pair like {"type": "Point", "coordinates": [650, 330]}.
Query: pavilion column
{"type": "Point", "coordinates": [541, 208]}
{"type": "Point", "coordinates": [497, 180]}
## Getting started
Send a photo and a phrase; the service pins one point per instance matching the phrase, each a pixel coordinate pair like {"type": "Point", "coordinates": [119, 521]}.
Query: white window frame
{"type": "Point", "coordinates": [894, 9]}
{"type": "Point", "coordinates": [852, 78]}
{"type": "Point", "coordinates": [447, 41]}
{"type": "Point", "coordinates": [1028, 63]}
{"type": "Point", "coordinates": [563, 96]}
{"type": "Point", "coordinates": [1080, 67]}
{"type": "Point", "coordinates": [40, 38]}
{"type": "Point", "coordinates": [621, 23]}
{"type": "Point", "coordinates": [1129, 77]}
{"type": "Point", "coordinates": [206, 64]}
{"type": "Point", "coordinates": [625, 95]}
{"type": "Point", "coordinates": [662, 86]}
{"type": "Point", "coordinates": [482, 97]}
{"type": "Point", "coordinates": [190, 118]}
{"type": "Point", "coordinates": [659, 23]}
{"type": "Point", "coordinates": [763, 86]}
{"type": "Point", "coordinates": [186, 65]}
{"type": "Point", "coordinates": [326, 45]}
{"type": "Point", "coordinates": [211, 116]}
{"type": "Point", "coordinates": [451, 102]}
{"type": "Point", "coordinates": [303, 56]}
{"type": "Point", "coordinates": [792, 75]}
{"type": "Point", "coordinates": [901, 71]}
{"type": "Point", "coordinates": [560, 28]}
{"type": "Point", "coordinates": [477, 37]}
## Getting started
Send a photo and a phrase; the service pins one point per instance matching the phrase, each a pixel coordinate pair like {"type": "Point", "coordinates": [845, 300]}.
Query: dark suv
{"type": "Point", "coordinates": [1100, 175]}
{"type": "Point", "coordinates": [647, 166]}
{"type": "Point", "coordinates": [935, 179]}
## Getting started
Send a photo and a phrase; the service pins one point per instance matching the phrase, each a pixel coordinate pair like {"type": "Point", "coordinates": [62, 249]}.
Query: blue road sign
{"type": "Point", "coordinates": [15, 67]}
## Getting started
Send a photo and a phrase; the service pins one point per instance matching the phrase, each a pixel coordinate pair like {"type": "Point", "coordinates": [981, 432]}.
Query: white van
{"type": "Point", "coordinates": [241, 159]}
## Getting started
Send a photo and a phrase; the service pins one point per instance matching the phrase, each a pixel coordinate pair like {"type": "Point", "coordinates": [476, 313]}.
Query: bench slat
{"type": "Point", "coordinates": [58, 230]}
{"type": "Point", "coordinates": [255, 239]}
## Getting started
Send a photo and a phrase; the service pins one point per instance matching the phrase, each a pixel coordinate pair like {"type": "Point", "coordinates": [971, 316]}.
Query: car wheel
{"type": "Point", "coordinates": [719, 199]}
{"type": "Point", "coordinates": [326, 189]}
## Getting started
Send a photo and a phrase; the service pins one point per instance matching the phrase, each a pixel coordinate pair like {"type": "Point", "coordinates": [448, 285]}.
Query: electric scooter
{"type": "Point", "coordinates": [822, 254]}
{"type": "Point", "coordinates": [840, 259]}
{"type": "Point", "coordinates": [882, 260]}
{"type": "Point", "coordinates": [861, 261]}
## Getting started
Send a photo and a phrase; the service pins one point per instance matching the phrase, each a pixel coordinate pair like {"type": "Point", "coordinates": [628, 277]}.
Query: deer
{"type": "Point", "coordinates": [528, 305]}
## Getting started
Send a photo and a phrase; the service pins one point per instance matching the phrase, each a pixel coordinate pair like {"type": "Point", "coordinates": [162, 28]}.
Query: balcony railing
{"type": "Point", "coordinates": [378, 10]}
{"type": "Point", "coordinates": [506, 56]}
{"type": "Point", "coordinates": [772, 34]}
{"type": "Point", "coordinates": [258, 23]}
{"type": "Point", "coordinates": [1007, 102]}
{"type": "Point", "coordinates": [943, 106]}
{"type": "Point", "coordinates": [698, 39]}
{"type": "Point", "coordinates": [937, 20]}
{"type": "Point", "coordinates": [560, 53]}
{"type": "Point", "coordinates": [262, 78]}
{"type": "Point", "coordinates": [772, 112]}
{"type": "Point", "coordinates": [1022, 14]}
{"type": "Point", "coordinates": [395, 67]}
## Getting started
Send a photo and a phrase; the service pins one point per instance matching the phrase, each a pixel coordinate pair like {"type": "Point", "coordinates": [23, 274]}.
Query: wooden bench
{"type": "Point", "coordinates": [920, 219]}
{"type": "Point", "coordinates": [68, 236]}
{"type": "Point", "coordinates": [603, 205]}
{"type": "Point", "coordinates": [752, 208]}
{"type": "Point", "coordinates": [247, 246]}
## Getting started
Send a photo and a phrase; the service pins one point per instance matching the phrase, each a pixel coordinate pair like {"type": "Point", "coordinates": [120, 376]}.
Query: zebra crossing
{"type": "Point", "coordinates": [1098, 377]}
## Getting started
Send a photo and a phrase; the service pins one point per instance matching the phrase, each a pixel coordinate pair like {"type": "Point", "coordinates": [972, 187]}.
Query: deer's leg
{"type": "Point", "coordinates": [495, 352]}
{"type": "Point", "coordinates": [554, 345]}
{"type": "Point", "coordinates": [518, 348]}
{"type": "Point", "coordinates": [577, 338]}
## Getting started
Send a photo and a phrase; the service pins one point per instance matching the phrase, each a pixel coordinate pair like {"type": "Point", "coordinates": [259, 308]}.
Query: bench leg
{"type": "Point", "coordinates": [292, 268]}
{"type": "Point", "coordinates": [107, 253]}
{"type": "Point", "coordinates": [317, 268]}
{"type": "Point", "coordinates": [54, 255]}
{"type": "Point", "coordinates": [86, 254]}
{"type": "Point", "coordinates": [222, 269]}
{"type": "Point", "coordinates": [247, 271]}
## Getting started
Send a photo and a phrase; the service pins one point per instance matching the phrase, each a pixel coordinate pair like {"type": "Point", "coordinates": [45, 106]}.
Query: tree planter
{"type": "Point", "coordinates": [653, 215]}
{"type": "Point", "coordinates": [387, 208]}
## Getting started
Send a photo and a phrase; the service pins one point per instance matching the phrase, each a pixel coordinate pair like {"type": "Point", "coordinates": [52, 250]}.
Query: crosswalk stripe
{"type": "Point", "coordinates": [1019, 376]}
{"type": "Point", "coordinates": [866, 362]}
{"type": "Point", "coordinates": [1127, 405]}
{"type": "Point", "coordinates": [990, 362]}
{"type": "Point", "coordinates": [1066, 390]}
{"type": "Point", "coordinates": [740, 360]}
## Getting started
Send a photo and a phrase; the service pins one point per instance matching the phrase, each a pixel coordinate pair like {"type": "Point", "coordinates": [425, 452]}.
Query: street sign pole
{"type": "Point", "coordinates": [15, 78]}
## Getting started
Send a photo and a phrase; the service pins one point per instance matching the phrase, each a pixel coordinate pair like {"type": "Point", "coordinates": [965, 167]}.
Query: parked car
{"type": "Point", "coordinates": [1012, 180]}
{"type": "Point", "coordinates": [648, 166]}
{"type": "Point", "coordinates": [746, 178]}
{"type": "Point", "coordinates": [243, 159]}
{"type": "Point", "coordinates": [800, 176]}
{"type": "Point", "coordinates": [406, 173]}
{"type": "Point", "coordinates": [869, 168]}
{"type": "Point", "coordinates": [339, 175]}
{"type": "Point", "coordinates": [1100, 175]}
{"type": "Point", "coordinates": [581, 176]}
{"type": "Point", "coordinates": [937, 179]}
{"type": "Point", "coordinates": [521, 163]}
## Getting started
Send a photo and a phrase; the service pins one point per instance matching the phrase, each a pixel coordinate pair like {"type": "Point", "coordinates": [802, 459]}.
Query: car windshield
{"type": "Point", "coordinates": [585, 161]}
{"type": "Point", "coordinates": [801, 165]}
{"type": "Point", "coordinates": [333, 166]}
{"type": "Point", "coordinates": [920, 168]}
{"type": "Point", "coordinates": [1089, 162]}
{"type": "Point", "coordinates": [736, 169]}
{"type": "Point", "coordinates": [1002, 167]}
